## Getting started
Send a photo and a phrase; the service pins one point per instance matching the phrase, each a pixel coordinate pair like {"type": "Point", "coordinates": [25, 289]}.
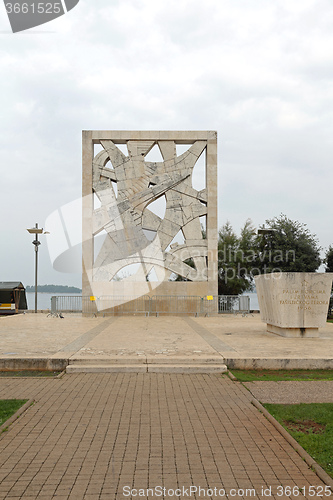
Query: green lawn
{"type": "Point", "coordinates": [276, 375]}
{"type": "Point", "coordinates": [312, 427]}
{"type": "Point", "coordinates": [8, 407]}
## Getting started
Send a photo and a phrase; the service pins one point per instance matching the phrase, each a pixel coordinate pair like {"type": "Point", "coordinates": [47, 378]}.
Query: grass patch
{"type": "Point", "coordinates": [330, 321]}
{"type": "Point", "coordinates": [312, 427]}
{"type": "Point", "coordinates": [277, 375]}
{"type": "Point", "coordinates": [8, 407]}
{"type": "Point", "coordinates": [29, 373]}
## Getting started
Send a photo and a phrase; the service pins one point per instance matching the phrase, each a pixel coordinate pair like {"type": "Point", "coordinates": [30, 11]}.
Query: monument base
{"type": "Point", "coordinates": [293, 332]}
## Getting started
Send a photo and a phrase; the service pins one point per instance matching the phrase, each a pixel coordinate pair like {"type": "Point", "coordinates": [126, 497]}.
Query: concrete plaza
{"type": "Point", "coordinates": [141, 344]}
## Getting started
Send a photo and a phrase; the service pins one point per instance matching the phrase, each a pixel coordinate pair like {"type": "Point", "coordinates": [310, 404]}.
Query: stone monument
{"type": "Point", "coordinates": [294, 304]}
{"type": "Point", "coordinates": [119, 185]}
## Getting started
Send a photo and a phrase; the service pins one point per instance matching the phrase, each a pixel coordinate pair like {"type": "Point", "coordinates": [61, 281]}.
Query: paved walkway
{"type": "Point", "coordinates": [99, 436]}
{"type": "Point", "coordinates": [292, 392]}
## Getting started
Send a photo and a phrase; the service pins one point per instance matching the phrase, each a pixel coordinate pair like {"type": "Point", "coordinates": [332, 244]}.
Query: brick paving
{"type": "Point", "coordinates": [90, 435]}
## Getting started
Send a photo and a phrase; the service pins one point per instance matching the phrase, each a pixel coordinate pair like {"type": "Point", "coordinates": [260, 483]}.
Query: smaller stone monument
{"type": "Point", "coordinates": [294, 304]}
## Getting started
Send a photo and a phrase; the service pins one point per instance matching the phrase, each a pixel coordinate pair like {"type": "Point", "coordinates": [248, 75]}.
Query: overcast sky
{"type": "Point", "coordinates": [258, 72]}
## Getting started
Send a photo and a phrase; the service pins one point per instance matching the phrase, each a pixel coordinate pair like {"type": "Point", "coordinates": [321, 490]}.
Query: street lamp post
{"type": "Point", "coordinates": [266, 232]}
{"type": "Point", "coordinates": [36, 231]}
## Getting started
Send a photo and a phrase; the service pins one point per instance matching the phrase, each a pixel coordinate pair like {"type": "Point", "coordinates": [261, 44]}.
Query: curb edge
{"type": "Point", "coordinates": [16, 415]}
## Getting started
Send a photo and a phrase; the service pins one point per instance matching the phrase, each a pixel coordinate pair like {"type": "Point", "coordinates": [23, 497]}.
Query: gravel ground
{"type": "Point", "coordinates": [290, 392]}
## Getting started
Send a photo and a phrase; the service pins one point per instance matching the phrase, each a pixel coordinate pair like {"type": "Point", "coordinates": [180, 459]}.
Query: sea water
{"type": "Point", "coordinates": [44, 299]}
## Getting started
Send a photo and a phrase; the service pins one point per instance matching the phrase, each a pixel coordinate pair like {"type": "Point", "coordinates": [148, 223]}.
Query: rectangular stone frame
{"type": "Point", "coordinates": [183, 288]}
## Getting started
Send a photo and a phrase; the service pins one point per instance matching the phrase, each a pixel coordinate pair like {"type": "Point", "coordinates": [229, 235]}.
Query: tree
{"type": "Point", "coordinates": [287, 246]}
{"type": "Point", "coordinates": [233, 257]}
{"type": "Point", "coordinates": [328, 261]}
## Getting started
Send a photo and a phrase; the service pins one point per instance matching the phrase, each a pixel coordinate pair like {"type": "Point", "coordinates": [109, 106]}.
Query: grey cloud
{"type": "Point", "coordinates": [257, 73]}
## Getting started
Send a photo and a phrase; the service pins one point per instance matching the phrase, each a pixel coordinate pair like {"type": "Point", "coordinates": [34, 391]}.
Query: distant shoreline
{"type": "Point", "coordinates": [49, 293]}
{"type": "Point", "coordinates": [54, 289]}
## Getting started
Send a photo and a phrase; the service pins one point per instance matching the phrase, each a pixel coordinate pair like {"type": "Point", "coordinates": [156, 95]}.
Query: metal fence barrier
{"type": "Point", "coordinates": [152, 306]}
{"type": "Point", "coordinates": [68, 303]}
{"type": "Point", "coordinates": [233, 304]}
{"type": "Point", "coordinates": [244, 304]}
{"type": "Point", "coordinates": [330, 308]}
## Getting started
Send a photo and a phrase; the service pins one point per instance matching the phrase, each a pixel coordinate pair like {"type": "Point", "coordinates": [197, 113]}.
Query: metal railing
{"type": "Point", "coordinates": [152, 306]}
{"type": "Point", "coordinates": [68, 303]}
{"type": "Point", "coordinates": [233, 304]}
{"type": "Point", "coordinates": [330, 308]}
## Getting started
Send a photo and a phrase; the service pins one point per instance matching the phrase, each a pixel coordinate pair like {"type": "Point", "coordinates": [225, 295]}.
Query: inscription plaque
{"type": "Point", "coordinates": [294, 304]}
